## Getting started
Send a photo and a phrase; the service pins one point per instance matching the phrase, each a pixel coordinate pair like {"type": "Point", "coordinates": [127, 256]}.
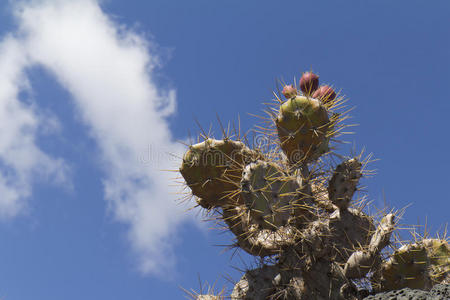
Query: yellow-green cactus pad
{"type": "Point", "coordinates": [417, 266]}
{"type": "Point", "coordinates": [302, 124]}
{"type": "Point", "coordinates": [439, 253]}
{"type": "Point", "coordinates": [213, 169]}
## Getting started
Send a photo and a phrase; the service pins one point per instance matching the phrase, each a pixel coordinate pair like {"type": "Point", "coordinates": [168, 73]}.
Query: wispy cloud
{"type": "Point", "coordinates": [109, 71]}
{"type": "Point", "coordinates": [21, 160]}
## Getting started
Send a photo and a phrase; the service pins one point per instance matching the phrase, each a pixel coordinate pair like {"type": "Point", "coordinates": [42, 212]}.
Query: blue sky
{"type": "Point", "coordinates": [93, 96]}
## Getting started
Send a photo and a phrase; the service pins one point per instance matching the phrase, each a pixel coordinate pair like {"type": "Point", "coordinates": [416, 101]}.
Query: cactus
{"type": "Point", "coordinates": [291, 206]}
{"type": "Point", "coordinates": [418, 265]}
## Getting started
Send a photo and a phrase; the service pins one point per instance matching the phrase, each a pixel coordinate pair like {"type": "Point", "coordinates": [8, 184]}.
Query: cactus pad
{"type": "Point", "coordinates": [272, 197]}
{"type": "Point", "coordinates": [302, 124]}
{"type": "Point", "coordinates": [213, 168]}
{"type": "Point", "coordinates": [419, 265]}
{"type": "Point", "coordinates": [343, 183]}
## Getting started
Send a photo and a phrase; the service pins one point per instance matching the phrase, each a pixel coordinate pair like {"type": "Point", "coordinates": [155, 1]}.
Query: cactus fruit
{"type": "Point", "coordinates": [419, 265]}
{"type": "Point", "coordinates": [289, 91]}
{"type": "Point", "coordinates": [309, 82]}
{"type": "Point", "coordinates": [302, 124]}
{"type": "Point", "coordinates": [213, 169]}
{"type": "Point", "coordinates": [325, 94]}
{"type": "Point", "coordinates": [293, 210]}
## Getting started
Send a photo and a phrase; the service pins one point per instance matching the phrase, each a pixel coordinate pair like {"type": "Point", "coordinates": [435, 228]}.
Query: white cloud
{"type": "Point", "coordinates": [20, 158]}
{"type": "Point", "coordinates": [109, 71]}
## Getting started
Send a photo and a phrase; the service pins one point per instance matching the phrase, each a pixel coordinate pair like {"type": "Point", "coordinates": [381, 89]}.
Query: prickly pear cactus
{"type": "Point", "coordinates": [291, 206]}
{"type": "Point", "coordinates": [418, 266]}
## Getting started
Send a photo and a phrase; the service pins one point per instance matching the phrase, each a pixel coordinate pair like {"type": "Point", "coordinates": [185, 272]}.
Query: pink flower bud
{"type": "Point", "coordinates": [289, 91]}
{"type": "Point", "coordinates": [325, 93]}
{"type": "Point", "coordinates": [309, 83]}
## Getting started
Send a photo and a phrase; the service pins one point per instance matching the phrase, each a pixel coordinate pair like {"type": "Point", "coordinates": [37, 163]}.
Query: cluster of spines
{"type": "Point", "coordinates": [207, 292]}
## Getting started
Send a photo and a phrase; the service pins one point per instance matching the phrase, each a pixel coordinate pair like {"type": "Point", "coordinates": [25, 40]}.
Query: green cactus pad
{"type": "Point", "coordinates": [213, 169]}
{"type": "Point", "coordinates": [439, 253]}
{"type": "Point", "coordinates": [302, 124]}
{"type": "Point", "coordinates": [418, 266]}
{"type": "Point", "coordinates": [272, 197]}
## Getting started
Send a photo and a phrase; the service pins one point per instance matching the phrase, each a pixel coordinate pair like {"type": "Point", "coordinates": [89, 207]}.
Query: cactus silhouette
{"type": "Point", "coordinates": [288, 202]}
